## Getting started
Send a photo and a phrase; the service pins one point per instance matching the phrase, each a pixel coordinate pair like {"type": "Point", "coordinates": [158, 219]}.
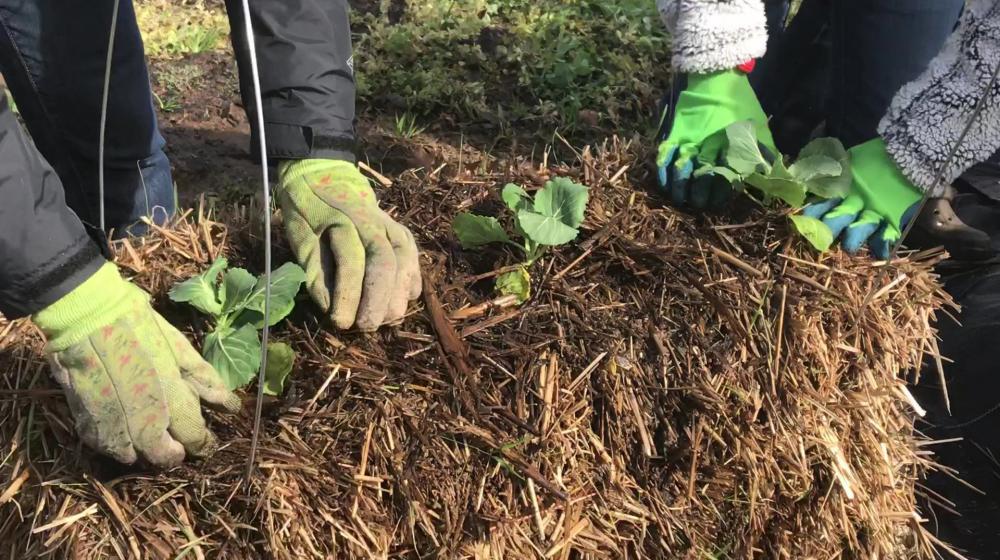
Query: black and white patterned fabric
{"type": "Point", "coordinates": [711, 35]}
{"type": "Point", "coordinates": [927, 115]}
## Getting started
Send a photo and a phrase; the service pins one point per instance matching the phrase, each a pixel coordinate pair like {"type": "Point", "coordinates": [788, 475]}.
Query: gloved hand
{"type": "Point", "coordinates": [709, 104]}
{"type": "Point", "coordinates": [361, 266]}
{"type": "Point", "coordinates": [880, 203]}
{"type": "Point", "coordinates": [132, 381]}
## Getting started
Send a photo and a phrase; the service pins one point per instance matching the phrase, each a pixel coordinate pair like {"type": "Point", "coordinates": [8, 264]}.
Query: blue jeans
{"type": "Point", "coordinates": [52, 55]}
{"type": "Point", "coordinates": [840, 62]}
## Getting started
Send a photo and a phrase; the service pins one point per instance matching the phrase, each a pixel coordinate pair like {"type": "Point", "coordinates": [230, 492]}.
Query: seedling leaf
{"type": "Point", "coordinates": [790, 191]}
{"type": "Point", "coordinates": [200, 291]}
{"type": "Point", "coordinates": [234, 353]}
{"type": "Point", "coordinates": [563, 200]}
{"type": "Point", "coordinates": [280, 359]}
{"type": "Point", "coordinates": [516, 283]}
{"type": "Point", "coordinates": [237, 285]}
{"type": "Point", "coordinates": [726, 173]}
{"type": "Point", "coordinates": [834, 186]}
{"type": "Point", "coordinates": [743, 154]}
{"type": "Point", "coordinates": [779, 170]}
{"type": "Point", "coordinates": [515, 197]}
{"type": "Point", "coordinates": [545, 230]}
{"type": "Point", "coordinates": [815, 231]}
{"type": "Point", "coordinates": [475, 231]}
{"type": "Point", "coordinates": [815, 167]}
{"type": "Point", "coordinates": [285, 283]}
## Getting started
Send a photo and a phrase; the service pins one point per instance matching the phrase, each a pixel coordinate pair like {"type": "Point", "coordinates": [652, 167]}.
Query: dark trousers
{"type": "Point", "coordinates": [840, 62]}
{"type": "Point", "coordinates": [52, 55]}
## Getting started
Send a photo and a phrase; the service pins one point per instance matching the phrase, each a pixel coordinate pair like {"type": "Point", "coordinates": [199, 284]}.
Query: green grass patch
{"type": "Point", "coordinates": [506, 60]}
{"type": "Point", "coordinates": [174, 28]}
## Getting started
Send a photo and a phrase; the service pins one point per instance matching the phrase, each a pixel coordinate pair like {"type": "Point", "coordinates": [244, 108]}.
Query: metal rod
{"type": "Point", "coordinates": [104, 114]}
{"type": "Point", "coordinates": [259, 110]}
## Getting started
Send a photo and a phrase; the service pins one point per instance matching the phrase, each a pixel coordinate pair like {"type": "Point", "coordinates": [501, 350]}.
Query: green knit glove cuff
{"type": "Point", "coordinates": [98, 302]}
{"type": "Point", "coordinates": [308, 170]}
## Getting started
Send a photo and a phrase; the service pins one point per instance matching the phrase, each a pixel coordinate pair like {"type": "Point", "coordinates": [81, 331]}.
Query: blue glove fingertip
{"type": "Point", "coordinates": [819, 209]}
{"type": "Point", "coordinates": [838, 224]}
{"type": "Point", "coordinates": [856, 236]}
{"type": "Point", "coordinates": [663, 163]}
{"type": "Point", "coordinates": [679, 179]}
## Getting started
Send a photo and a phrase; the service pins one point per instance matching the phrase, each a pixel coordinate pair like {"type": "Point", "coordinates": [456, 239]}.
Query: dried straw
{"type": "Point", "coordinates": [674, 389]}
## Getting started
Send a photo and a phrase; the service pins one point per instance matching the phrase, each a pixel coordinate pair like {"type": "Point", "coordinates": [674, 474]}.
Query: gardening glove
{"type": "Point", "coordinates": [132, 381]}
{"type": "Point", "coordinates": [696, 136]}
{"type": "Point", "coordinates": [880, 203]}
{"type": "Point", "coordinates": [361, 266]}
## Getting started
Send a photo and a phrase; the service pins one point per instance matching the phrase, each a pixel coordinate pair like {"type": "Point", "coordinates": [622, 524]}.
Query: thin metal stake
{"type": "Point", "coordinates": [251, 46]}
{"type": "Point", "coordinates": [104, 114]}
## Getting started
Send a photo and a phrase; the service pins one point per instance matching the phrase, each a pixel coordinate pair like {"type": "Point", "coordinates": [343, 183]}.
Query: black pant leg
{"type": "Point", "coordinates": [306, 72]}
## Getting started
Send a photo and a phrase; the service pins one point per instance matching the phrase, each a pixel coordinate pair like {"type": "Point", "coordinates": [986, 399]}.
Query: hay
{"type": "Point", "coordinates": [674, 389]}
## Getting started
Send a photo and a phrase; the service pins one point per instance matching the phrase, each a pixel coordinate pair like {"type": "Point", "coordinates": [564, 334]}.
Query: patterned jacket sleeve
{"type": "Point", "coordinates": [927, 115]}
{"type": "Point", "coordinates": [710, 35]}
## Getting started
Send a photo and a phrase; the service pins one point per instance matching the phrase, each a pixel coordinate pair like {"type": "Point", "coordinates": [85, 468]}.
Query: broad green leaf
{"type": "Point", "coordinates": [475, 231]}
{"type": "Point", "coordinates": [815, 167]}
{"type": "Point", "coordinates": [829, 147]}
{"type": "Point", "coordinates": [285, 283]}
{"type": "Point", "coordinates": [516, 283]}
{"type": "Point", "coordinates": [790, 191]}
{"type": "Point", "coordinates": [704, 169]}
{"type": "Point", "coordinates": [234, 353]}
{"type": "Point", "coordinates": [835, 186]}
{"type": "Point", "coordinates": [545, 230]}
{"type": "Point", "coordinates": [280, 359]}
{"type": "Point", "coordinates": [726, 173]}
{"type": "Point", "coordinates": [815, 231]}
{"type": "Point", "coordinates": [515, 197]}
{"type": "Point", "coordinates": [237, 285]}
{"type": "Point", "coordinates": [200, 291]}
{"type": "Point", "coordinates": [563, 200]}
{"type": "Point", "coordinates": [743, 154]}
{"type": "Point", "coordinates": [779, 170]}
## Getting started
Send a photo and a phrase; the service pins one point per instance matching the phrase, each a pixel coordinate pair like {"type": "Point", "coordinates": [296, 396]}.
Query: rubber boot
{"type": "Point", "coordinates": [938, 224]}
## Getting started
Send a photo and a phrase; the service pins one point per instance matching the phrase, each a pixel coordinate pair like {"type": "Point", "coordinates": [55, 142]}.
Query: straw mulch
{"type": "Point", "coordinates": [677, 387]}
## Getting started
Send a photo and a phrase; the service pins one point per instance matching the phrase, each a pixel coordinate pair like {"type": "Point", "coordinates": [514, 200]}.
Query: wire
{"type": "Point", "coordinates": [258, 105]}
{"type": "Point", "coordinates": [104, 113]}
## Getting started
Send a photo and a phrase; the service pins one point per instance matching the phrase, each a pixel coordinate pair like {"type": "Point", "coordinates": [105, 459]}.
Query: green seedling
{"type": "Point", "coordinates": [551, 218]}
{"type": "Point", "coordinates": [234, 300]}
{"type": "Point", "coordinates": [407, 127]}
{"type": "Point", "coordinates": [823, 169]}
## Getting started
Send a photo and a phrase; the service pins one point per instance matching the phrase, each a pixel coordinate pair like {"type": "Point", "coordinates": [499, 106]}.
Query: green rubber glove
{"type": "Point", "coordinates": [132, 381]}
{"type": "Point", "coordinates": [880, 203]}
{"type": "Point", "coordinates": [703, 110]}
{"type": "Point", "coordinates": [361, 266]}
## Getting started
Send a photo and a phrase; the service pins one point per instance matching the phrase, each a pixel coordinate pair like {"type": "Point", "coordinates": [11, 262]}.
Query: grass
{"type": "Point", "coordinates": [407, 127]}
{"type": "Point", "coordinates": [540, 61]}
{"type": "Point", "coordinates": [176, 79]}
{"type": "Point", "coordinates": [512, 64]}
{"type": "Point", "coordinates": [174, 28]}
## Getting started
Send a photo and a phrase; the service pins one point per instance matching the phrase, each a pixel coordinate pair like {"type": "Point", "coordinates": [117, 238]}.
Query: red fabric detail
{"type": "Point", "coordinates": [747, 66]}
